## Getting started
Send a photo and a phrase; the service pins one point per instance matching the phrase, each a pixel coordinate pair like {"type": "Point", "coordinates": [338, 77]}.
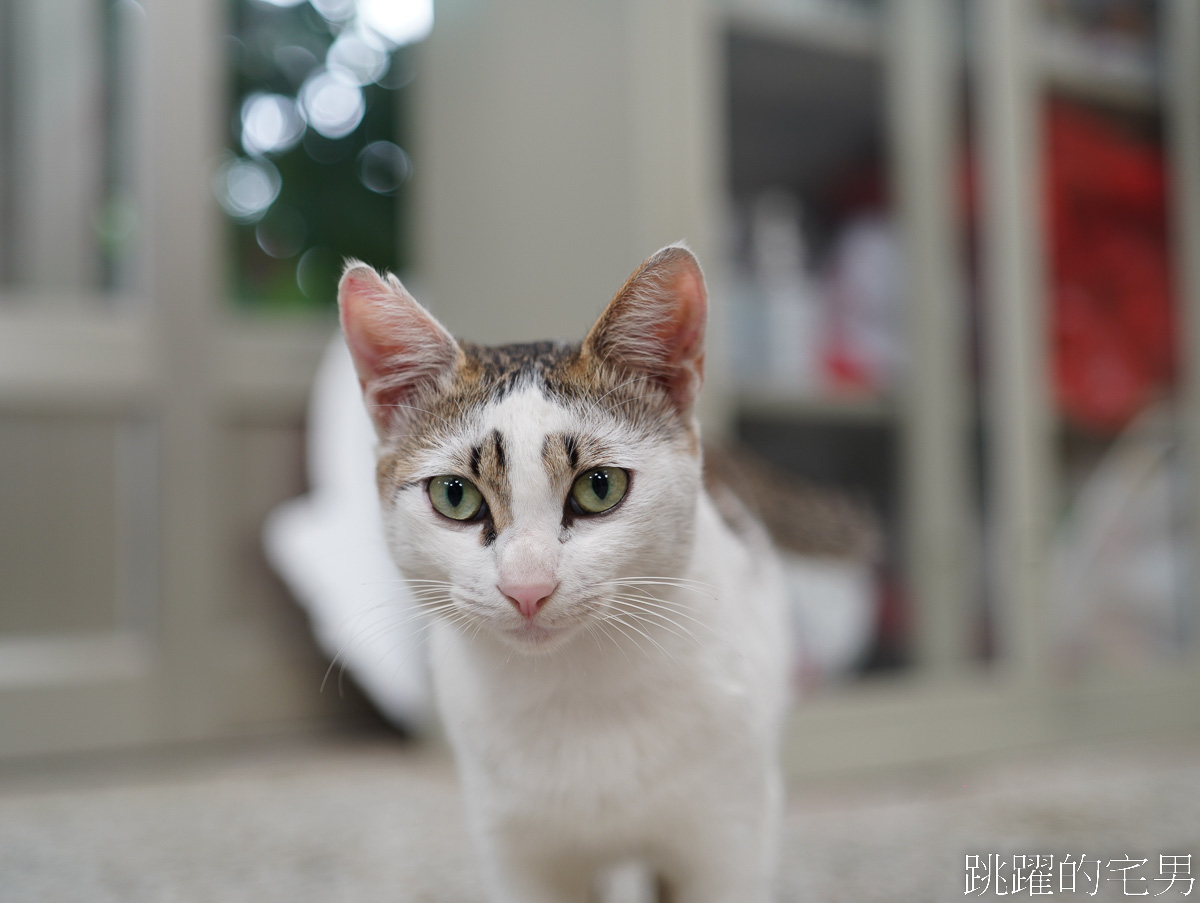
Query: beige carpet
{"type": "Point", "coordinates": [371, 820]}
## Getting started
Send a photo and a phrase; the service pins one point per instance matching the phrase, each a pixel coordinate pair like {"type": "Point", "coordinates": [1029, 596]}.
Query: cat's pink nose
{"type": "Point", "coordinates": [527, 598]}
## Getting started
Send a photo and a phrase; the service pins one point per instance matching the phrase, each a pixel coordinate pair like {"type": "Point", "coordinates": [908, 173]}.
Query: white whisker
{"type": "Point", "coordinates": [385, 623]}
{"type": "Point", "coordinates": [611, 408]}
{"type": "Point", "coordinates": [694, 586]}
{"type": "Point", "coordinates": [426, 630]}
{"type": "Point", "coordinates": [413, 408]}
{"type": "Point", "coordinates": [663, 621]}
{"type": "Point", "coordinates": [657, 603]}
{"type": "Point", "coordinates": [621, 625]}
{"type": "Point", "coordinates": [628, 382]}
{"type": "Point", "coordinates": [590, 629]}
{"type": "Point", "coordinates": [600, 626]}
{"type": "Point", "coordinates": [633, 626]}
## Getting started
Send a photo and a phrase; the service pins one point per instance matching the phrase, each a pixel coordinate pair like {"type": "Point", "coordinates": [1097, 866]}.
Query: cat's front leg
{"type": "Point", "coordinates": [728, 853]}
{"type": "Point", "coordinates": [519, 870]}
{"type": "Point", "coordinates": [707, 885]}
{"type": "Point", "coordinates": [732, 875]}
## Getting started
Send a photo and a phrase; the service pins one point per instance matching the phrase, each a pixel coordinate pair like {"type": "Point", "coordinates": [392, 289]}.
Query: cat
{"type": "Point", "coordinates": [609, 655]}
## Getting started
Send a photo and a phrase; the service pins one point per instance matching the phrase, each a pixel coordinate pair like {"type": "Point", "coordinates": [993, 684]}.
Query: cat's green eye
{"type": "Point", "coordinates": [455, 497]}
{"type": "Point", "coordinates": [599, 489]}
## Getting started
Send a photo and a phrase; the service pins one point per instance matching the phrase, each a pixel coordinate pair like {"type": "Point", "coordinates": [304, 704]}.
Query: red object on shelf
{"type": "Point", "coordinates": [1106, 227]}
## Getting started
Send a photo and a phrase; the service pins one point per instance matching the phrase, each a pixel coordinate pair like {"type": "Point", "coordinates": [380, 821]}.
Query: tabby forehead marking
{"type": "Point", "coordinates": [565, 373]}
{"type": "Point", "coordinates": [493, 479]}
{"type": "Point", "coordinates": [558, 464]}
{"type": "Point", "coordinates": [566, 455]}
{"type": "Point", "coordinates": [498, 442]}
{"type": "Point", "coordinates": [476, 451]}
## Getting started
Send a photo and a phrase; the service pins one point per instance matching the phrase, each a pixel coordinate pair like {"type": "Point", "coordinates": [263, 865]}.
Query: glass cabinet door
{"type": "Point", "coordinates": [79, 576]}
{"type": "Point", "coordinates": [1120, 568]}
{"type": "Point", "coordinates": [146, 422]}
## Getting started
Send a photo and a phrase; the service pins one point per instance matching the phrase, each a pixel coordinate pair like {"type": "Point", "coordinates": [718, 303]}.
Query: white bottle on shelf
{"type": "Point", "coordinates": [791, 300]}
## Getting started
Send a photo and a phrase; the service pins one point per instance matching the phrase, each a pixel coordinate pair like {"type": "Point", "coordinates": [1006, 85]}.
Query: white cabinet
{"type": "Point", "coordinates": [140, 422]}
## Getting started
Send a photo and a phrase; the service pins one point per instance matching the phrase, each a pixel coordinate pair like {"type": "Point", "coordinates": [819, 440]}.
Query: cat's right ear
{"type": "Point", "coordinates": [398, 348]}
{"type": "Point", "coordinates": [655, 324]}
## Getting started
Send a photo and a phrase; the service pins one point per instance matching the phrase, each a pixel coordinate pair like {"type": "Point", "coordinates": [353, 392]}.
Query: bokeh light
{"type": "Point", "coordinates": [331, 104]}
{"type": "Point", "coordinates": [317, 272]}
{"type": "Point", "coordinates": [399, 21]}
{"type": "Point", "coordinates": [246, 188]}
{"type": "Point", "coordinates": [383, 166]}
{"type": "Point", "coordinates": [270, 124]}
{"type": "Point", "coordinates": [334, 10]}
{"type": "Point", "coordinates": [295, 62]}
{"type": "Point", "coordinates": [282, 232]}
{"type": "Point", "coordinates": [356, 60]}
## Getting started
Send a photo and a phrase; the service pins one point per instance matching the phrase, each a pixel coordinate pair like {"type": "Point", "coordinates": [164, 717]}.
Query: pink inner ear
{"type": "Point", "coordinates": [655, 324]}
{"type": "Point", "coordinates": [367, 346]}
{"type": "Point", "coordinates": [670, 289]}
{"type": "Point", "coordinates": [682, 331]}
{"type": "Point", "coordinates": [397, 347]}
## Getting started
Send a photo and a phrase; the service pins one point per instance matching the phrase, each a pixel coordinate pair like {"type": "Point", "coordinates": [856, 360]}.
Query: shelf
{"type": "Point", "coordinates": [775, 403]}
{"type": "Point", "coordinates": [835, 27]}
{"type": "Point", "coordinates": [1114, 71]}
{"type": "Point", "coordinates": [1119, 73]}
{"type": "Point", "coordinates": [778, 91]}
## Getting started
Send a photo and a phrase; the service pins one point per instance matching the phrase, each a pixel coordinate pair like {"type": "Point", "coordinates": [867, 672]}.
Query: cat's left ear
{"type": "Point", "coordinates": [400, 351]}
{"type": "Point", "coordinates": [655, 324]}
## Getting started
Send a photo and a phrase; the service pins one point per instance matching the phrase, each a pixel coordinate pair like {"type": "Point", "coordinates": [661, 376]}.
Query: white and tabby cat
{"type": "Point", "coordinates": [610, 656]}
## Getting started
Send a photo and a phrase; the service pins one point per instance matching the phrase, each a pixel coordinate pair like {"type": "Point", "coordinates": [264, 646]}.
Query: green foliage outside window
{"type": "Point", "coordinates": [316, 170]}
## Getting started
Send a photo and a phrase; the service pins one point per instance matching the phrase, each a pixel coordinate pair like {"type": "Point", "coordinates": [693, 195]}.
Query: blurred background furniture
{"type": "Point", "coordinates": [899, 204]}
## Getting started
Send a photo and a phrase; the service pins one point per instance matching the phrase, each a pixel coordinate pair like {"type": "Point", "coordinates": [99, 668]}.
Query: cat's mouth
{"type": "Point", "coordinates": [531, 632]}
{"type": "Point", "coordinates": [541, 634]}
{"type": "Point", "coordinates": [538, 635]}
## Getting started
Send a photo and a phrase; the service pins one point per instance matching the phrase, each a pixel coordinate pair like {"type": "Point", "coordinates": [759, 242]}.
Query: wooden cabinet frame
{"type": "Point", "coordinates": [172, 365]}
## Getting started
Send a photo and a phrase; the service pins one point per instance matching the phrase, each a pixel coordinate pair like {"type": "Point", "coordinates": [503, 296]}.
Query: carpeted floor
{"type": "Point", "coordinates": [370, 820]}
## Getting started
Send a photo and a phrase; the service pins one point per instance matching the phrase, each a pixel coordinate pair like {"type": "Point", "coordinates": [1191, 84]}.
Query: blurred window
{"type": "Point", "coordinates": [316, 164]}
{"type": "Point", "coordinates": [69, 106]}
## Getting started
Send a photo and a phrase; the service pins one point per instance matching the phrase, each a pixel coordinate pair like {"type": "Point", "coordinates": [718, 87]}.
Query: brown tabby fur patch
{"type": "Point", "coordinates": [566, 455]}
{"type": "Point", "coordinates": [568, 373]}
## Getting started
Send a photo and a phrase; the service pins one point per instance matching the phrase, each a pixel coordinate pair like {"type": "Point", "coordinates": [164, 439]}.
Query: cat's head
{"type": "Point", "coordinates": [523, 486]}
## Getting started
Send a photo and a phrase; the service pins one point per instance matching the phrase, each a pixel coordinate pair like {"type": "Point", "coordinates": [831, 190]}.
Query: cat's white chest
{"type": "Point", "coordinates": [612, 741]}
{"type": "Point", "coordinates": [592, 740]}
